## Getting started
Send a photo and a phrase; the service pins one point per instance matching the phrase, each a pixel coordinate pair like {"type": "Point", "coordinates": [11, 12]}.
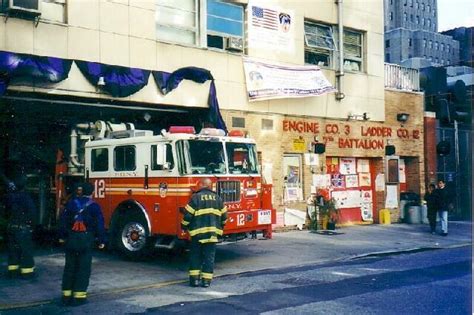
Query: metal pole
{"type": "Point", "coordinates": [456, 155]}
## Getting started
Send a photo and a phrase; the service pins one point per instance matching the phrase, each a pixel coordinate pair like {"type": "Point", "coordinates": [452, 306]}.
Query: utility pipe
{"type": "Point", "coordinates": [340, 73]}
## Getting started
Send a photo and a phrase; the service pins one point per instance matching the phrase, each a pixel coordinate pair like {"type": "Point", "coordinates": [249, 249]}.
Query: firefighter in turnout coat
{"type": "Point", "coordinates": [81, 222]}
{"type": "Point", "coordinates": [204, 219]}
{"type": "Point", "coordinates": [20, 213]}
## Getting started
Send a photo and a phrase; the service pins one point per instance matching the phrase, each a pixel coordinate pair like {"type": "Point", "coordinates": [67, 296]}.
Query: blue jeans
{"type": "Point", "coordinates": [443, 216]}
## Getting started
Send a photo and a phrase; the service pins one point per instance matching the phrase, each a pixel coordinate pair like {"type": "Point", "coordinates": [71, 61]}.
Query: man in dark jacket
{"type": "Point", "coordinates": [204, 218]}
{"type": "Point", "coordinates": [81, 220]}
{"type": "Point", "coordinates": [20, 214]}
{"type": "Point", "coordinates": [432, 205]}
{"type": "Point", "coordinates": [445, 204]}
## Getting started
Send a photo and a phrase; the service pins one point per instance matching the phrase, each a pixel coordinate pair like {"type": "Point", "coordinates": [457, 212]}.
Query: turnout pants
{"type": "Point", "coordinates": [201, 260]}
{"type": "Point", "coordinates": [20, 251]}
{"type": "Point", "coordinates": [77, 270]}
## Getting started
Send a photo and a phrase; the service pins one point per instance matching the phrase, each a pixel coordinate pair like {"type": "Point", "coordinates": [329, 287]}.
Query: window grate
{"type": "Point", "coordinates": [229, 191]}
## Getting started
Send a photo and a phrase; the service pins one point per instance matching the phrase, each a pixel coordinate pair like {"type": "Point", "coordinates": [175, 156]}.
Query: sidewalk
{"type": "Point", "coordinates": [294, 248]}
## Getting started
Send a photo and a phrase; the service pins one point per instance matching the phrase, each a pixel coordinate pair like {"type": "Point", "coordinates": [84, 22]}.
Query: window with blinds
{"type": "Point", "coordinates": [353, 50]}
{"type": "Point", "coordinates": [319, 44]}
{"type": "Point", "coordinates": [177, 21]}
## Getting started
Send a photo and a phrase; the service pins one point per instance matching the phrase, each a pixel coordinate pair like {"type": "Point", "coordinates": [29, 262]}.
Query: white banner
{"type": "Point", "coordinates": [270, 28]}
{"type": "Point", "coordinates": [269, 81]}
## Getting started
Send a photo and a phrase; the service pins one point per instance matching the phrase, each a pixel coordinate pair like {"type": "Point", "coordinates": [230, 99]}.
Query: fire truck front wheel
{"type": "Point", "coordinates": [132, 237]}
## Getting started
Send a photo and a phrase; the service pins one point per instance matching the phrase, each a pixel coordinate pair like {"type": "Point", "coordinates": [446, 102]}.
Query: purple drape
{"type": "Point", "coordinates": [22, 65]}
{"type": "Point", "coordinates": [118, 81]}
{"type": "Point", "coordinates": [167, 82]}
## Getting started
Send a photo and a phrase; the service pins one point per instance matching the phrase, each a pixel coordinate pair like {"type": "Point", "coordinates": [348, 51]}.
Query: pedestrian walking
{"type": "Point", "coordinates": [204, 219]}
{"type": "Point", "coordinates": [81, 221]}
{"type": "Point", "coordinates": [20, 214]}
{"type": "Point", "coordinates": [432, 205]}
{"type": "Point", "coordinates": [445, 204]}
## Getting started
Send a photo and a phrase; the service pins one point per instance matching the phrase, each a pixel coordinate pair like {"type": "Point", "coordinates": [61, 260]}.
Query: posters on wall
{"type": "Point", "coordinates": [391, 197]}
{"type": "Point", "coordinates": [311, 159]}
{"type": "Point", "coordinates": [363, 166]}
{"type": "Point", "coordinates": [321, 180]}
{"type": "Point", "coordinates": [352, 181]}
{"type": "Point", "coordinates": [266, 81]}
{"type": "Point", "coordinates": [267, 169]}
{"type": "Point", "coordinates": [347, 198]}
{"type": "Point", "coordinates": [270, 28]}
{"type": "Point", "coordinates": [366, 211]}
{"type": "Point", "coordinates": [380, 182]}
{"type": "Point", "coordinates": [347, 166]}
{"type": "Point", "coordinates": [364, 179]}
{"type": "Point", "coordinates": [337, 180]}
{"type": "Point", "coordinates": [299, 145]}
{"type": "Point", "coordinates": [401, 171]}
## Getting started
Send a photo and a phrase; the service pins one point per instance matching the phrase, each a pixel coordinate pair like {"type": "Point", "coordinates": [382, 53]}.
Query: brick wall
{"type": "Point", "coordinates": [430, 147]}
{"type": "Point", "coordinates": [343, 138]}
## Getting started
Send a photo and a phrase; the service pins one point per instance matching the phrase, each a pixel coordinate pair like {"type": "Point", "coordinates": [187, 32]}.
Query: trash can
{"type": "Point", "coordinates": [413, 215]}
{"type": "Point", "coordinates": [407, 200]}
{"type": "Point", "coordinates": [384, 216]}
{"type": "Point", "coordinates": [424, 214]}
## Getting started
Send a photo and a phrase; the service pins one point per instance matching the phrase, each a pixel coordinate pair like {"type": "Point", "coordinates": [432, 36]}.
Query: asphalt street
{"type": "Point", "coordinates": [427, 282]}
{"type": "Point", "coordinates": [362, 269]}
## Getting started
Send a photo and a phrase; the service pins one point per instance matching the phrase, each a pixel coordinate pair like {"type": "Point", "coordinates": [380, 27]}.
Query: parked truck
{"type": "Point", "coordinates": [143, 181]}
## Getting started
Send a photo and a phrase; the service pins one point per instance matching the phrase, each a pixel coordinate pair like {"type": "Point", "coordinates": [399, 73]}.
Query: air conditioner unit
{"type": "Point", "coordinates": [24, 8]}
{"type": "Point", "coordinates": [234, 44]}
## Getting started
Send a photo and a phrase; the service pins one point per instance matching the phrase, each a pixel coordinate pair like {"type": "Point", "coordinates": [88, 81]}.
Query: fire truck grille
{"type": "Point", "coordinates": [229, 191]}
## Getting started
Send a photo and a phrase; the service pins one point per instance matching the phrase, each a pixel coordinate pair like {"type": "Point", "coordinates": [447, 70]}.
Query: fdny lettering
{"type": "Point", "coordinates": [208, 197]}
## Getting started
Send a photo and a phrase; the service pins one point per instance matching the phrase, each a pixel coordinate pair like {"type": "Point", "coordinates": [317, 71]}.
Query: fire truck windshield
{"type": "Point", "coordinates": [242, 158]}
{"type": "Point", "coordinates": [207, 157]}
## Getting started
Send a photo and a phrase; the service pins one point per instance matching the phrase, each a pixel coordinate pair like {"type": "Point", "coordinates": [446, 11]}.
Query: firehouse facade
{"type": "Point", "coordinates": [142, 42]}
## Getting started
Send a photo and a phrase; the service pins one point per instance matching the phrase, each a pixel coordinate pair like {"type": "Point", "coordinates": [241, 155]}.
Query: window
{"type": "Point", "coordinates": [423, 21]}
{"type": "Point", "coordinates": [428, 8]}
{"type": "Point", "coordinates": [411, 18]}
{"type": "Point", "coordinates": [405, 16]}
{"type": "Point", "coordinates": [238, 122]}
{"type": "Point", "coordinates": [428, 22]}
{"type": "Point", "coordinates": [391, 16]}
{"type": "Point", "coordinates": [417, 19]}
{"type": "Point", "coordinates": [292, 172]}
{"type": "Point", "coordinates": [267, 124]}
{"type": "Point", "coordinates": [99, 160]}
{"type": "Point", "coordinates": [169, 160]}
{"type": "Point", "coordinates": [224, 20]}
{"type": "Point", "coordinates": [410, 42]}
{"type": "Point", "coordinates": [448, 47]}
{"type": "Point", "coordinates": [205, 157]}
{"type": "Point", "coordinates": [430, 44]}
{"type": "Point", "coordinates": [436, 46]}
{"type": "Point", "coordinates": [424, 42]}
{"type": "Point", "coordinates": [442, 47]}
{"type": "Point", "coordinates": [387, 43]}
{"type": "Point", "coordinates": [319, 42]}
{"type": "Point", "coordinates": [423, 6]}
{"type": "Point", "coordinates": [387, 57]}
{"type": "Point", "coordinates": [417, 6]}
{"type": "Point", "coordinates": [442, 61]}
{"type": "Point", "coordinates": [352, 50]}
{"type": "Point", "coordinates": [124, 158]}
{"type": "Point", "coordinates": [177, 21]}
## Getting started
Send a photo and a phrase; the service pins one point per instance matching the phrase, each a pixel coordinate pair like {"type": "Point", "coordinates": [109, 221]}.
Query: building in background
{"type": "Point", "coordinates": [465, 37]}
{"type": "Point", "coordinates": [128, 39]}
{"type": "Point", "coordinates": [411, 33]}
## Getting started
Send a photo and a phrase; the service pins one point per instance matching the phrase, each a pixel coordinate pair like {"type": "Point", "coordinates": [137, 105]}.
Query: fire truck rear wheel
{"type": "Point", "coordinates": [132, 237]}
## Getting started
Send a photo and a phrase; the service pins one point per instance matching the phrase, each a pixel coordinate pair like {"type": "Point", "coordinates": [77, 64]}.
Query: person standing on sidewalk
{"type": "Point", "coordinates": [432, 205]}
{"type": "Point", "coordinates": [445, 204]}
{"type": "Point", "coordinates": [20, 214]}
{"type": "Point", "coordinates": [81, 220]}
{"type": "Point", "coordinates": [204, 218]}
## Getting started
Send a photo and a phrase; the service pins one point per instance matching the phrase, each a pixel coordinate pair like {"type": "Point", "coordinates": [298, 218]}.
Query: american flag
{"type": "Point", "coordinates": [265, 18]}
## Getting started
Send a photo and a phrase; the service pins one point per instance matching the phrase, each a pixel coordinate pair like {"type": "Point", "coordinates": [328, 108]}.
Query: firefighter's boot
{"type": "Point", "coordinates": [194, 281]}
{"type": "Point", "coordinates": [13, 271]}
{"type": "Point", "coordinates": [205, 283]}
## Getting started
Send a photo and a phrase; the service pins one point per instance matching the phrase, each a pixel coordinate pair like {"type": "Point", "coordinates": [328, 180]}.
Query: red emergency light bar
{"type": "Point", "coordinates": [236, 133]}
{"type": "Point", "coordinates": [182, 129]}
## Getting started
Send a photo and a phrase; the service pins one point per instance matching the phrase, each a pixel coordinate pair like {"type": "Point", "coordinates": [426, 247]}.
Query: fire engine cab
{"type": "Point", "coordinates": [143, 181]}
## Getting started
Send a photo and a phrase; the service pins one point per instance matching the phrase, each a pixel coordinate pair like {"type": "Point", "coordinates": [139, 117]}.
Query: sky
{"type": "Point", "coordinates": [455, 13]}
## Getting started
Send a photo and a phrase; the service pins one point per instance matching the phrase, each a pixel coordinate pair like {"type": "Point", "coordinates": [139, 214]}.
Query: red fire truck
{"type": "Point", "coordinates": [143, 181]}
